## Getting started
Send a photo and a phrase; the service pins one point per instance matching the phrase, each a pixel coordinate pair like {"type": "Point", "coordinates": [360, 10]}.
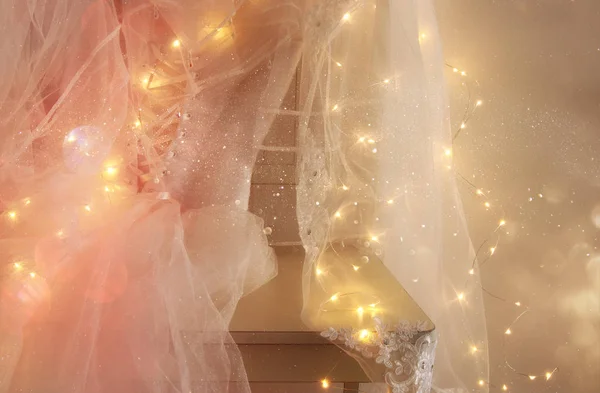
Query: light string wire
{"type": "Point", "coordinates": [468, 114]}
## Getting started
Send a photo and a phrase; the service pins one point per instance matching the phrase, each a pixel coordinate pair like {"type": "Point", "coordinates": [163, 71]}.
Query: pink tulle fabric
{"type": "Point", "coordinates": [128, 132]}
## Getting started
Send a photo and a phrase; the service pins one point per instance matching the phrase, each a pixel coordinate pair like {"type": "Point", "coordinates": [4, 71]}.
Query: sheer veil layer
{"type": "Point", "coordinates": [376, 178]}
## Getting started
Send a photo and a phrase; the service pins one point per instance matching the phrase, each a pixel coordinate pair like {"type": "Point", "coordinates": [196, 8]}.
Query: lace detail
{"type": "Point", "coordinates": [408, 361]}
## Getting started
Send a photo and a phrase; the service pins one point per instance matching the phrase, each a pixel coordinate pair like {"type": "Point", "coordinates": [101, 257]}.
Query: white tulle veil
{"type": "Point", "coordinates": [376, 175]}
{"type": "Point", "coordinates": [128, 135]}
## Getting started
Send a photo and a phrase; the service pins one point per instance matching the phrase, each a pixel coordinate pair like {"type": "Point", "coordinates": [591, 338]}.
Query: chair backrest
{"type": "Point", "coordinates": [273, 192]}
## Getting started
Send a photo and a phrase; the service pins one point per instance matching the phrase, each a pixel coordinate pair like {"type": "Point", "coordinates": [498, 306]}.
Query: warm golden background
{"type": "Point", "coordinates": [534, 146]}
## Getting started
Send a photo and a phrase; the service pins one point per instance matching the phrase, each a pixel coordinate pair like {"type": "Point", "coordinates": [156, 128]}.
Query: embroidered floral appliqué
{"type": "Point", "coordinates": [407, 351]}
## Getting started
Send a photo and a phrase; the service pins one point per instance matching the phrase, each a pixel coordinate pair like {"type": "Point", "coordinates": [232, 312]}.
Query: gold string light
{"type": "Point", "coordinates": [502, 223]}
{"type": "Point", "coordinates": [364, 334]}
{"type": "Point", "coordinates": [110, 171]}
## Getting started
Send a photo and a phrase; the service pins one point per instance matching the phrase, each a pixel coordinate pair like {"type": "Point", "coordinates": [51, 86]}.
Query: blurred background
{"type": "Point", "coordinates": [533, 148]}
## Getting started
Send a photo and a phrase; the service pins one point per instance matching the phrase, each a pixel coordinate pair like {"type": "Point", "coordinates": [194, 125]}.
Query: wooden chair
{"type": "Point", "coordinates": [277, 347]}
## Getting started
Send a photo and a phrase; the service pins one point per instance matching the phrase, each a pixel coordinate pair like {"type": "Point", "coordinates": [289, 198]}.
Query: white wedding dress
{"type": "Point", "coordinates": [128, 134]}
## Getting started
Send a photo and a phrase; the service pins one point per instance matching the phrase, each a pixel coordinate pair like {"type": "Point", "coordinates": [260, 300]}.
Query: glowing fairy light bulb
{"type": "Point", "coordinates": [335, 107]}
{"type": "Point", "coordinates": [504, 387]}
{"type": "Point", "coordinates": [111, 170]}
{"type": "Point", "coordinates": [324, 383]}
{"type": "Point", "coordinates": [364, 334]}
{"type": "Point", "coordinates": [461, 296]}
{"type": "Point", "coordinates": [27, 201]}
{"type": "Point", "coordinates": [492, 250]}
{"type": "Point", "coordinates": [360, 310]}
{"type": "Point", "coordinates": [176, 44]}
{"type": "Point", "coordinates": [12, 215]}
{"type": "Point", "coordinates": [518, 304]}
{"type": "Point", "coordinates": [462, 125]}
{"type": "Point", "coordinates": [455, 70]}
{"type": "Point", "coordinates": [374, 238]}
{"type": "Point", "coordinates": [502, 223]}
{"type": "Point", "coordinates": [479, 192]}
{"type": "Point", "coordinates": [487, 204]}
{"type": "Point", "coordinates": [334, 297]}
{"type": "Point", "coordinates": [355, 268]}
{"type": "Point", "coordinates": [18, 266]}
{"type": "Point", "coordinates": [88, 208]}
{"type": "Point", "coordinates": [463, 73]}
{"type": "Point", "coordinates": [137, 124]}
{"type": "Point", "coordinates": [337, 63]}
{"type": "Point", "coordinates": [346, 17]}
{"type": "Point", "coordinates": [508, 332]}
{"type": "Point", "coordinates": [338, 215]}
{"type": "Point", "coordinates": [345, 188]}
{"type": "Point", "coordinates": [390, 201]}
{"type": "Point", "coordinates": [474, 349]}
{"type": "Point", "coordinates": [448, 152]}
{"type": "Point", "coordinates": [60, 234]}
{"type": "Point", "coordinates": [386, 81]}
{"type": "Point", "coordinates": [32, 274]}
{"type": "Point", "coordinates": [472, 271]}
{"type": "Point", "coordinates": [479, 103]}
{"type": "Point", "coordinates": [532, 377]}
{"type": "Point", "coordinates": [481, 382]}
{"type": "Point", "coordinates": [548, 376]}
{"type": "Point", "coordinates": [374, 150]}
{"type": "Point", "coordinates": [361, 139]}
{"type": "Point", "coordinates": [371, 141]}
